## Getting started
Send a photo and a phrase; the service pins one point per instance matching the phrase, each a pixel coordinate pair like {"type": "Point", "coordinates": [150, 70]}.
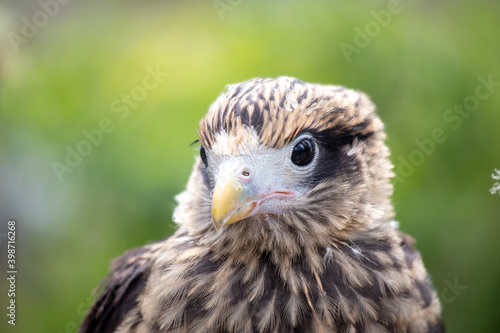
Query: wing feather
{"type": "Point", "coordinates": [120, 290]}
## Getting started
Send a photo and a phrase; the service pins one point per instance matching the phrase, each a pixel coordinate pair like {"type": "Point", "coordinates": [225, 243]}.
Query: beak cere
{"type": "Point", "coordinates": [232, 200]}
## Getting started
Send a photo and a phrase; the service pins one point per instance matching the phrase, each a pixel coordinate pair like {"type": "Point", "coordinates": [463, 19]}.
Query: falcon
{"type": "Point", "coordinates": [286, 225]}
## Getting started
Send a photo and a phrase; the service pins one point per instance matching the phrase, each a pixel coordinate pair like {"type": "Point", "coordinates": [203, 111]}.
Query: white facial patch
{"type": "Point", "coordinates": [245, 142]}
{"type": "Point", "coordinates": [272, 168]}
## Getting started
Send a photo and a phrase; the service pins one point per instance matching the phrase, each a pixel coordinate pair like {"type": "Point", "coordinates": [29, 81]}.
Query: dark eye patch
{"type": "Point", "coordinates": [203, 156]}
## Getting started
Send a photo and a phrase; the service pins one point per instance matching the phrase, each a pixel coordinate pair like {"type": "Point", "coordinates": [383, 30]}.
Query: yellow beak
{"type": "Point", "coordinates": [231, 201]}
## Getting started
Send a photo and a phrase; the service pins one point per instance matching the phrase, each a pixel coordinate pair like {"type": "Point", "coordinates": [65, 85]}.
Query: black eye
{"type": "Point", "coordinates": [203, 156]}
{"type": "Point", "coordinates": [303, 152]}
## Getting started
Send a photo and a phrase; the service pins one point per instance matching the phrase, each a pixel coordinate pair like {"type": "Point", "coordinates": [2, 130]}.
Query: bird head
{"type": "Point", "coordinates": [281, 158]}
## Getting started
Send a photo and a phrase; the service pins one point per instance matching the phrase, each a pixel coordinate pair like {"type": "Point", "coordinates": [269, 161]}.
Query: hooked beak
{"type": "Point", "coordinates": [234, 199]}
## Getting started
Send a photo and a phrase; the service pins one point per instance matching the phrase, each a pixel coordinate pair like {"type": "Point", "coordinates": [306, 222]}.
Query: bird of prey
{"type": "Point", "coordinates": [286, 225]}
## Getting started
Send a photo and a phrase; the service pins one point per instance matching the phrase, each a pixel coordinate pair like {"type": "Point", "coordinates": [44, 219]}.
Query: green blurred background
{"type": "Point", "coordinates": [416, 64]}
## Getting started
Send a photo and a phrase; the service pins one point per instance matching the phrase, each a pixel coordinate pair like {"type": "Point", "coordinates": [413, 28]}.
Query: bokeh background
{"type": "Point", "coordinates": [64, 72]}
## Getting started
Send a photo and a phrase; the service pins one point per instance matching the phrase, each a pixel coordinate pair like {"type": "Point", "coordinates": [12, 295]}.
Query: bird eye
{"type": "Point", "coordinates": [203, 156]}
{"type": "Point", "coordinates": [303, 152]}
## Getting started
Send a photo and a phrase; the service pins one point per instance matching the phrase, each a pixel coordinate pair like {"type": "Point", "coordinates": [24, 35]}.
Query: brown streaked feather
{"type": "Point", "coordinates": [119, 291]}
{"type": "Point", "coordinates": [279, 109]}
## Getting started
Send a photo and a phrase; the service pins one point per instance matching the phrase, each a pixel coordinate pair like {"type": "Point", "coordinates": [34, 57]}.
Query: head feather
{"type": "Point", "coordinates": [281, 109]}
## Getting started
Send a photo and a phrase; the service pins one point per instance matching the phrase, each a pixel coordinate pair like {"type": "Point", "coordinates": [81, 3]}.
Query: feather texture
{"type": "Point", "coordinates": [331, 262]}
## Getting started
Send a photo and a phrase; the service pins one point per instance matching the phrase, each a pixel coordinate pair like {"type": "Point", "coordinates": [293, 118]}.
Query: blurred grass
{"type": "Point", "coordinates": [64, 80]}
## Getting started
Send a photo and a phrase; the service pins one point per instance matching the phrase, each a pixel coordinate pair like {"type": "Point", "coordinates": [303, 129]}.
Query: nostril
{"type": "Point", "coordinates": [245, 174]}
